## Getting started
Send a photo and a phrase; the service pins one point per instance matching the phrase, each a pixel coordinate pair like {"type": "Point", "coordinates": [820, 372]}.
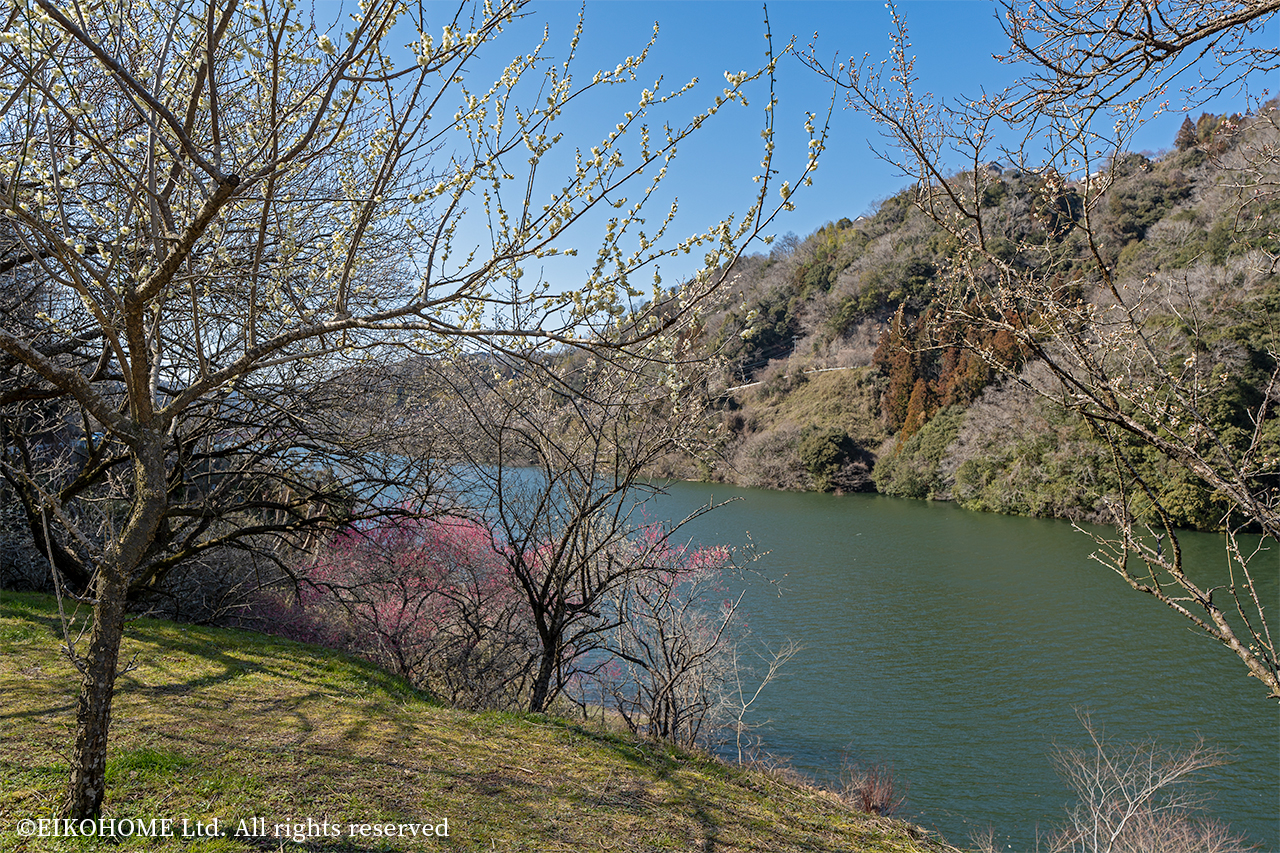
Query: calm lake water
{"type": "Point", "coordinates": [960, 646]}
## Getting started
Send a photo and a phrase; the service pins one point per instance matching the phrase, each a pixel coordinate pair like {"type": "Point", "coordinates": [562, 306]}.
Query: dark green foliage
{"type": "Point", "coordinates": [916, 275]}
{"type": "Point", "coordinates": [815, 277]}
{"type": "Point", "coordinates": [1003, 249]}
{"type": "Point", "coordinates": [940, 245]}
{"type": "Point", "coordinates": [1215, 246]}
{"type": "Point", "coordinates": [913, 471]}
{"type": "Point", "coordinates": [772, 334]}
{"type": "Point", "coordinates": [1219, 240]}
{"type": "Point", "coordinates": [1184, 498]}
{"type": "Point", "coordinates": [1140, 197]}
{"type": "Point", "coordinates": [910, 281]}
{"type": "Point", "coordinates": [846, 316]}
{"type": "Point", "coordinates": [1193, 158]}
{"type": "Point", "coordinates": [1257, 325]}
{"type": "Point", "coordinates": [895, 209]}
{"type": "Point", "coordinates": [994, 193]}
{"type": "Point", "coordinates": [824, 452]}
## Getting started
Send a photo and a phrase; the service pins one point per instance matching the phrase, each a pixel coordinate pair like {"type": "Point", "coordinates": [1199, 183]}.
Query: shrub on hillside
{"type": "Point", "coordinates": [780, 378]}
{"type": "Point", "coordinates": [872, 789]}
{"type": "Point", "coordinates": [833, 459]}
{"type": "Point", "coordinates": [771, 460]}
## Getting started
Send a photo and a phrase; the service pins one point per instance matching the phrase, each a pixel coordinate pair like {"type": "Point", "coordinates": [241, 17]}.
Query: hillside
{"type": "Point", "coordinates": [846, 367]}
{"type": "Point", "coordinates": [213, 723]}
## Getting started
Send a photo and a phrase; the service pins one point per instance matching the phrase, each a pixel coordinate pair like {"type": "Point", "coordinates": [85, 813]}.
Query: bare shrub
{"type": "Point", "coordinates": [859, 342]}
{"type": "Point", "coordinates": [984, 841]}
{"type": "Point", "coordinates": [741, 697]}
{"type": "Point", "coordinates": [781, 377]}
{"type": "Point", "coordinates": [671, 650]}
{"type": "Point", "coordinates": [671, 665]}
{"type": "Point", "coordinates": [768, 768]}
{"type": "Point", "coordinates": [217, 585]}
{"type": "Point", "coordinates": [772, 460]}
{"type": "Point", "coordinates": [871, 788]}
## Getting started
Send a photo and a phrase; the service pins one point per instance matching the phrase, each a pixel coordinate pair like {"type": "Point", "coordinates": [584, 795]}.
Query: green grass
{"type": "Point", "coordinates": [213, 723]}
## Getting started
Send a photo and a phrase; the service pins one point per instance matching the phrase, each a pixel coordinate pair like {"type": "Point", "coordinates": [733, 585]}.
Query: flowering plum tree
{"type": "Point", "coordinates": [215, 213]}
{"type": "Point", "coordinates": [431, 600]}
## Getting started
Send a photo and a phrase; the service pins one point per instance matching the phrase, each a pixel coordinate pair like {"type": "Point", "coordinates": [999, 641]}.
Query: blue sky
{"type": "Point", "coordinates": [705, 38]}
{"type": "Point", "coordinates": [953, 40]}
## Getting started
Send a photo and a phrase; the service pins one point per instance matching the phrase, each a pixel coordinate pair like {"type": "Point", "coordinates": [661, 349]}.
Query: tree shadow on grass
{"type": "Point", "coordinates": [235, 652]}
{"type": "Point", "coordinates": [336, 734]}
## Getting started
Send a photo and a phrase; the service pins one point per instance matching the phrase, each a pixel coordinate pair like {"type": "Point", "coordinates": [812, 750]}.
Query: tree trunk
{"type": "Point", "coordinates": [93, 713]}
{"type": "Point", "coordinates": [111, 590]}
{"type": "Point", "coordinates": [542, 684]}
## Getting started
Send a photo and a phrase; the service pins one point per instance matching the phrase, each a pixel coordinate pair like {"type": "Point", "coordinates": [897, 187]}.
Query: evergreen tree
{"type": "Point", "coordinates": [1186, 138]}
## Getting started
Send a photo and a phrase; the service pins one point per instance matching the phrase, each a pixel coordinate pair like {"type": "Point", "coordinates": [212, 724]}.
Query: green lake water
{"type": "Point", "coordinates": [960, 647]}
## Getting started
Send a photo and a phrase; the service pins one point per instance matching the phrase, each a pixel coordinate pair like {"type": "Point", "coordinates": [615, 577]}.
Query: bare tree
{"type": "Point", "coordinates": [676, 666]}
{"type": "Point", "coordinates": [557, 455]}
{"type": "Point", "coordinates": [1093, 73]}
{"type": "Point", "coordinates": [670, 651]}
{"type": "Point", "coordinates": [1086, 58]}
{"type": "Point", "coordinates": [1135, 799]}
{"type": "Point", "coordinates": [216, 208]}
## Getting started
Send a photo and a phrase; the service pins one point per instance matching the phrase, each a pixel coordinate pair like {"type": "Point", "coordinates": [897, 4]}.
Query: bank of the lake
{"type": "Point", "coordinates": [960, 646]}
{"type": "Point", "coordinates": [256, 732]}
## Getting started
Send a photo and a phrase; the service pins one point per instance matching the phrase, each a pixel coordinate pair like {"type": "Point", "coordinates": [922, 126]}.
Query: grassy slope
{"type": "Point", "coordinates": [230, 724]}
{"type": "Point", "coordinates": [838, 399]}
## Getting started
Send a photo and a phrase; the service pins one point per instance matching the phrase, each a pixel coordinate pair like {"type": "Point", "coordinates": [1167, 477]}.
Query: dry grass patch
{"type": "Point", "coordinates": [839, 399]}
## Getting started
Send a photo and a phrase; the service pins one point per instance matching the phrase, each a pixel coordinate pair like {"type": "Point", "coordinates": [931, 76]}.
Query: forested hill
{"type": "Point", "coordinates": [842, 370]}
